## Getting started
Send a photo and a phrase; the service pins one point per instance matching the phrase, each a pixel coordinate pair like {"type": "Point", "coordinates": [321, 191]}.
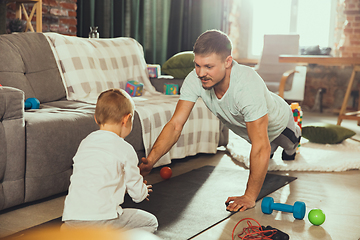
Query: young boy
{"type": "Point", "coordinates": [105, 168]}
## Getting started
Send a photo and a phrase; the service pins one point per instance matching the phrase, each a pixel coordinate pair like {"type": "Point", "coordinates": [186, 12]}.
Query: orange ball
{"type": "Point", "coordinates": [165, 172]}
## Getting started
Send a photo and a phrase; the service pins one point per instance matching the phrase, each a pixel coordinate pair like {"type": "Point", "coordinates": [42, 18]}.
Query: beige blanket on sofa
{"type": "Point", "coordinates": [90, 66]}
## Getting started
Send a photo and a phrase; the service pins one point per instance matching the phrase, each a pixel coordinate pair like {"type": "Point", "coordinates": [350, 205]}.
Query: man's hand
{"type": "Point", "coordinates": [242, 203]}
{"type": "Point", "coordinates": [259, 160]}
{"type": "Point", "coordinates": [168, 136]}
{"type": "Point", "coordinates": [145, 167]}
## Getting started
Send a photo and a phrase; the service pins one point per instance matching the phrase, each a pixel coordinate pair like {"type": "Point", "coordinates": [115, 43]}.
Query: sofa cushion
{"type": "Point", "coordinates": [31, 67]}
{"type": "Point", "coordinates": [90, 66]}
{"type": "Point", "coordinates": [52, 138]}
{"type": "Point", "coordinates": [179, 65]}
{"type": "Point", "coordinates": [326, 133]}
{"type": "Point", "coordinates": [134, 138]}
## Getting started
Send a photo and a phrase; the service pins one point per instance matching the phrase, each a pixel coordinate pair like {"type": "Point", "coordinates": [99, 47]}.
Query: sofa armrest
{"type": "Point", "coordinates": [12, 147]}
{"type": "Point", "coordinates": [11, 103]}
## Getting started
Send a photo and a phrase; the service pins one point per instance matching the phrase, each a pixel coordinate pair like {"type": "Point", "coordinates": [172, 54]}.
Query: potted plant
{"type": "Point", "coordinates": [16, 25]}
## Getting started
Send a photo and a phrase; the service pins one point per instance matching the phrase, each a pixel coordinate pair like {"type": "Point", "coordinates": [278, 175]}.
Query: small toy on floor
{"type": "Point", "coordinates": [297, 113]}
{"type": "Point", "coordinates": [166, 173]}
{"type": "Point", "coordinates": [316, 217]}
{"type": "Point", "coordinates": [298, 116]}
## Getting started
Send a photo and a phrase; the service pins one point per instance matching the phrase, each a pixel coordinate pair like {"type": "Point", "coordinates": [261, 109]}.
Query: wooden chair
{"type": "Point", "coordinates": [20, 8]}
{"type": "Point", "coordinates": [285, 79]}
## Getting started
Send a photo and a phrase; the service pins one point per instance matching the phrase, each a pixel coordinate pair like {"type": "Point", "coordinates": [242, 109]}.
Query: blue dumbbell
{"type": "Point", "coordinates": [298, 210]}
{"type": "Point", "coordinates": [32, 103]}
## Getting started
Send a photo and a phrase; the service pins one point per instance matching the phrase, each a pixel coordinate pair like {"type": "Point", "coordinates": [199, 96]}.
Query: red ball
{"type": "Point", "coordinates": [165, 172]}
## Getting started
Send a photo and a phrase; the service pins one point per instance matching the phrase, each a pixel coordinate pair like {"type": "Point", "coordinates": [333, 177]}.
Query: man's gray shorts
{"type": "Point", "coordinates": [289, 139]}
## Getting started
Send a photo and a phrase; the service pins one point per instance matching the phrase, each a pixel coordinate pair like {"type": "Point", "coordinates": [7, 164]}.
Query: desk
{"type": "Point", "coordinates": [334, 61]}
{"type": "Point", "coordinates": [37, 7]}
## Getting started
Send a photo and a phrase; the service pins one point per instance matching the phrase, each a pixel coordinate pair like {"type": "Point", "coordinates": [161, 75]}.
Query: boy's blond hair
{"type": "Point", "coordinates": [112, 106]}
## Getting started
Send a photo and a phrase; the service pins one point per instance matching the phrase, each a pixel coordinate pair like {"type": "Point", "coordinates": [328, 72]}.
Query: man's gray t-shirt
{"type": "Point", "coordinates": [246, 100]}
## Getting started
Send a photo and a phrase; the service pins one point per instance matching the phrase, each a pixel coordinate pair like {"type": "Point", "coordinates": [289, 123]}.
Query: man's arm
{"type": "Point", "coordinates": [259, 161]}
{"type": "Point", "coordinates": [168, 136]}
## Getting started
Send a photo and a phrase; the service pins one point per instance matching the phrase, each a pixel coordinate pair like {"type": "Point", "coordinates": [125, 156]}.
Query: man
{"type": "Point", "coordinates": [238, 96]}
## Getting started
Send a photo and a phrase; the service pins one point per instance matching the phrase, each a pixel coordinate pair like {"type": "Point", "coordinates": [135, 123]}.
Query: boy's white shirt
{"type": "Point", "coordinates": [105, 167]}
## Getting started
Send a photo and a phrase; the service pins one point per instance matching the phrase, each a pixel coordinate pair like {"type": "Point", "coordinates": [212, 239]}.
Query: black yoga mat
{"type": "Point", "coordinates": [191, 203]}
{"type": "Point", "coordinates": [188, 204]}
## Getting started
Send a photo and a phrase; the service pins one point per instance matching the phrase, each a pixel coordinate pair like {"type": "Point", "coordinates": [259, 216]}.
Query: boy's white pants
{"type": "Point", "coordinates": [131, 218]}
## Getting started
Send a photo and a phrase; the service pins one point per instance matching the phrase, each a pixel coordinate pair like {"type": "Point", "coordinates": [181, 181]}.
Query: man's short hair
{"type": "Point", "coordinates": [112, 105]}
{"type": "Point", "coordinates": [213, 41]}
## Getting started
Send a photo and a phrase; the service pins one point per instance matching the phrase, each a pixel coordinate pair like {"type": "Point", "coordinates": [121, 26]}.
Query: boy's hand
{"type": "Point", "coordinates": [145, 167]}
{"type": "Point", "coordinates": [149, 187]}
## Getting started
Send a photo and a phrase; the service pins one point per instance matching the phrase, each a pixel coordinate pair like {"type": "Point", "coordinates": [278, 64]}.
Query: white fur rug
{"type": "Point", "coordinates": [311, 156]}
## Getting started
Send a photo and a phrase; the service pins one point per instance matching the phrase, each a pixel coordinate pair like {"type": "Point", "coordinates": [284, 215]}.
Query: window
{"type": "Point", "coordinates": [313, 20]}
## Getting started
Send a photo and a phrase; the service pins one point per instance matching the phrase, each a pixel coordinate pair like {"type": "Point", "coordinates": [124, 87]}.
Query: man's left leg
{"type": "Point", "coordinates": [289, 140]}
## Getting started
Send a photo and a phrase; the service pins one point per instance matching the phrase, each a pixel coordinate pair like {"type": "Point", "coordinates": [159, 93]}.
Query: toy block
{"type": "Point", "coordinates": [154, 70]}
{"type": "Point", "coordinates": [171, 89]}
{"type": "Point", "coordinates": [297, 114]}
{"type": "Point", "coordinates": [134, 88]}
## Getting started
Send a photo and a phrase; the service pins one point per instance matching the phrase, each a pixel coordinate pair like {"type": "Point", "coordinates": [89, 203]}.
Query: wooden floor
{"type": "Point", "coordinates": [337, 194]}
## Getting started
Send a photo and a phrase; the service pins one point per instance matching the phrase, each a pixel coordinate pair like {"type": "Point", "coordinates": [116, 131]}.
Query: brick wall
{"type": "Point", "coordinates": [58, 16]}
{"type": "Point", "coordinates": [350, 47]}
{"type": "Point", "coordinates": [334, 79]}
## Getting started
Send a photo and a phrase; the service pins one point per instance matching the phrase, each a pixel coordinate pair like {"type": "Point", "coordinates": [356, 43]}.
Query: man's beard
{"type": "Point", "coordinates": [209, 88]}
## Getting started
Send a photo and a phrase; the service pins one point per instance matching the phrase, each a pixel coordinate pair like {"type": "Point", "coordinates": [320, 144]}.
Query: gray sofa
{"type": "Point", "coordinates": [37, 145]}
